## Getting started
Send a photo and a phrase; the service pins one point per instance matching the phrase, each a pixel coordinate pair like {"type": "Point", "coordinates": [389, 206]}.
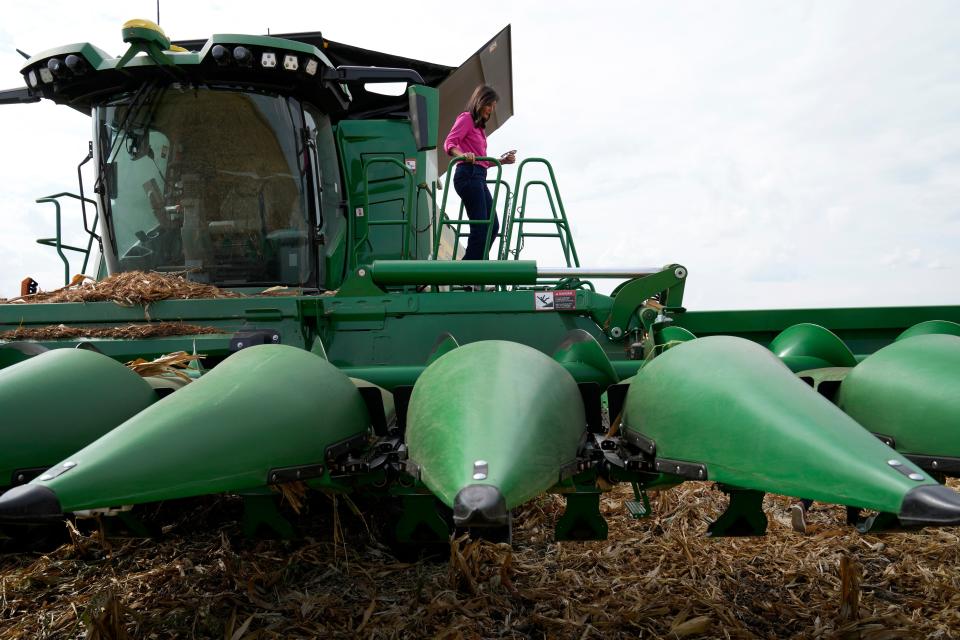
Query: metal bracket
{"type": "Point", "coordinates": [244, 339]}
{"type": "Point", "coordinates": [936, 464]}
{"type": "Point", "coordinates": [642, 442]}
{"type": "Point", "coordinates": [401, 402]}
{"type": "Point", "coordinates": [23, 476]}
{"type": "Point", "coordinates": [582, 520]}
{"type": "Point", "coordinates": [420, 521]}
{"type": "Point", "coordinates": [261, 517]}
{"type": "Point", "coordinates": [292, 474]}
{"type": "Point", "coordinates": [887, 440]}
{"type": "Point", "coordinates": [378, 416]}
{"type": "Point", "coordinates": [627, 298]}
{"type": "Point", "coordinates": [616, 397]}
{"type": "Point", "coordinates": [359, 283]}
{"type": "Point", "coordinates": [590, 393]}
{"type": "Point", "coordinates": [353, 443]}
{"type": "Point", "coordinates": [743, 516]}
{"type": "Point", "coordinates": [690, 470]}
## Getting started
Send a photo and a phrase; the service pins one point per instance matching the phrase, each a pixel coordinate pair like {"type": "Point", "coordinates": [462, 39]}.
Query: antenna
{"type": "Point", "coordinates": [25, 55]}
{"type": "Point", "coordinates": [158, 12]}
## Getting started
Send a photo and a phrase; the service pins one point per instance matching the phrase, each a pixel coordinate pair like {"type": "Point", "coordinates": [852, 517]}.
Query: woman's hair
{"type": "Point", "coordinates": [482, 96]}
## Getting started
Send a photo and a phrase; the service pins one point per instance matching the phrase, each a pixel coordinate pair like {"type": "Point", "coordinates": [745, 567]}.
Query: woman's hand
{"type": "Point", "coordinates": [469, 158]}
{"type": "Point", "coordinates": [509, 157]}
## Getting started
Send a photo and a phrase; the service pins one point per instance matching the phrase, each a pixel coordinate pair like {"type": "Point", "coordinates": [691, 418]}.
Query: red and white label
{"type": "Point", "coordinates": [562, 300]}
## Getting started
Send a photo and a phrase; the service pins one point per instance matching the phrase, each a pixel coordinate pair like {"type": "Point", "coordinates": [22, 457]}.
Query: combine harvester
{"type": "Point", "coordinates": [457, 390]}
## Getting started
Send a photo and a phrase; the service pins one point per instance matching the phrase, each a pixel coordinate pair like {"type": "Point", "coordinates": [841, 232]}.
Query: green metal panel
{"type": "Point", "coordinates": [863, 330]}
{"type": "Point", "coordinates": [379, 192]}
{"type": "Point", "coordinates": [731, 405]}
{"type": "Point", "coordinates": [60, 401]}
{"type": "Point", "coordinates": [264, 408]}
{"type": "Point", "coordinates": [402, 329]}
{"type": "Point", "coordinates": [909, 391]}
{"type": "Point", "coordinates": [499, 402]}
{"type": "Point", "coordinates": [398, 272]}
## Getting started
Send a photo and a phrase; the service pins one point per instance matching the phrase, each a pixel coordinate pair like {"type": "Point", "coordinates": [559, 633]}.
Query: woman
{"type": "Point", "coordinates": [468, 138]}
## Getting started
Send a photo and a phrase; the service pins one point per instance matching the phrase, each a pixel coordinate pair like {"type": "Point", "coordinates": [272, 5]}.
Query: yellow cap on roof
{"type": "Point", "coordinates": [140, 23]}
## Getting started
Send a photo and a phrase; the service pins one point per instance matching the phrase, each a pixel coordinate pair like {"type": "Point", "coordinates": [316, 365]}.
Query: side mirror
{"type": "Point", "coordinates": [424, 115]}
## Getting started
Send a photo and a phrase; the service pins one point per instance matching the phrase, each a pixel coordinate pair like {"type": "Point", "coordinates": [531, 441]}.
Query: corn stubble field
{"type": "Point", "coordinates": [659, 577]}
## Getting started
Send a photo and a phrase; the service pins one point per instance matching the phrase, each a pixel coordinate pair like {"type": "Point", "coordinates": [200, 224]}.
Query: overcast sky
{"type": "Point", "coordinates": [790, 154]}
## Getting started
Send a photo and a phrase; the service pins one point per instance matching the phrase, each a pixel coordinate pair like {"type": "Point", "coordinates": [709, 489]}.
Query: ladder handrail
{"type": "Point", "coordinates": [559, 219]}
{"type": "Point", "coordinates": [57, 242]}
{"type": "Point", "coordinates": [444, 219]}
{"type": "Point", "coordinates": [506, 204]}
{"type": "Point", "coordinates": [560, 223]}
{"type": "Point", "coordinates": [408, 203]}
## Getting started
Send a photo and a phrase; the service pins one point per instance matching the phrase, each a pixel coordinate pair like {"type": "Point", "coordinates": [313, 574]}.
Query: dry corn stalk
{"type": "Point", "coordinates": [129, 288]}
{"type": "Point", "coordinates": [170, 364]}
{"type": "Point", "coordinates": [124, 332]}
{"type": "Point", "coordinates": [293, 493]}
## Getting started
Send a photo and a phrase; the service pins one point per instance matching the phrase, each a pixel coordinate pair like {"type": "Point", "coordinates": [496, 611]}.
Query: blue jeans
{"type": "Point", "coordinates": [470, 183]}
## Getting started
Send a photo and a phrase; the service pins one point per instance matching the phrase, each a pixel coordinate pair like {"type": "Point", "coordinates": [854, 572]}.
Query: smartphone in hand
{"type": "Point", "coordinates": [508, 153]}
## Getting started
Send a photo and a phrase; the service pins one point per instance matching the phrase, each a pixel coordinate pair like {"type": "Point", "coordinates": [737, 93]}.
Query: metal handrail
{"type": "Point", "coordinates": [405, 220]}
{"type": "Point", "coordinates": [57, 242]}
{"type": "Point", "coordinates": [559, 215]}
{"type": "Point", "coordinates": [506, 210]}
{"type": "Point", "coordinates": [455, 224]}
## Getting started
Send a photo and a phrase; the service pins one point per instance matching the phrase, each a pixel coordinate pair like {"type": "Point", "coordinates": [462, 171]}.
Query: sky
{"type": "Point", "coordinates": [789, 154]}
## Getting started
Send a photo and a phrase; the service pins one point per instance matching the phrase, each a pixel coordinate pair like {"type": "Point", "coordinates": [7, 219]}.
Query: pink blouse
{"type": "Point", "coordinates": [467, 138]}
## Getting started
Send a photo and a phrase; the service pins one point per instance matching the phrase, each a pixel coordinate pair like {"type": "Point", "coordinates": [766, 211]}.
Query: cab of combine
{"type": "Point", "coordinates": [255, 161]}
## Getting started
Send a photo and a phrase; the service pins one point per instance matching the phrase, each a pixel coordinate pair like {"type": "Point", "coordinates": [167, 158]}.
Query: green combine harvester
{"type": "Point", "coordinates": [455, 390]}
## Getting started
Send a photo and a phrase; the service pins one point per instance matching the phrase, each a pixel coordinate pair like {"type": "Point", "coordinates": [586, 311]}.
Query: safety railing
{"type": "Point", "coordinates": [518, 218]}
{"type": "Point", "coordinates": [362, 231]}
{"type": "Point", "coordinates": [455, 225]}
{"type": "Point", "coordinates": [57, 241]}
{"type": "Point", "coordinates": [458, 234]}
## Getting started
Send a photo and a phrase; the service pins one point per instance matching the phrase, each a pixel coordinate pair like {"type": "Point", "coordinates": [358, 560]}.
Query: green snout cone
{"type": "Point", "coordinates": [910, 391]}
{"type": "Point", "coordinates": [499, 403]}
{"type": "Point", "coordinates": [263, 408]}
{"type": "Point", "coordinates": [60, 401]}
{"type": "Point", "coordinates": [732, 405]}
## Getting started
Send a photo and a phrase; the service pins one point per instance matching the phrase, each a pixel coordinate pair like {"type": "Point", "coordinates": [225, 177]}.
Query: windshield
{"type": "Point", "coordinates": [209, 181]}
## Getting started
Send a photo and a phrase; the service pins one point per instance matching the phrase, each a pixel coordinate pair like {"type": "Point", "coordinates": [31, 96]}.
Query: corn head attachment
{"type": "Point", "coordinates": [258, 203]}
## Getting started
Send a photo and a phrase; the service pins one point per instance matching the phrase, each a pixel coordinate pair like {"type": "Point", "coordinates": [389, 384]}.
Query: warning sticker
{"type": "Point", "coordinates": [543, 300]}
{"type": "Point", "coordinates": [563, 300]}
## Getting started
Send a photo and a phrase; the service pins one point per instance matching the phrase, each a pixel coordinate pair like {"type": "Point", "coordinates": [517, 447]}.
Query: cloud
{"type": "Point", "coordinates": [799, 154]}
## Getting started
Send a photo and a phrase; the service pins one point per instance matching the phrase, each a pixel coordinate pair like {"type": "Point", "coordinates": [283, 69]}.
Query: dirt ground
{"type": "Point", "coordinates": [659, 577]}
